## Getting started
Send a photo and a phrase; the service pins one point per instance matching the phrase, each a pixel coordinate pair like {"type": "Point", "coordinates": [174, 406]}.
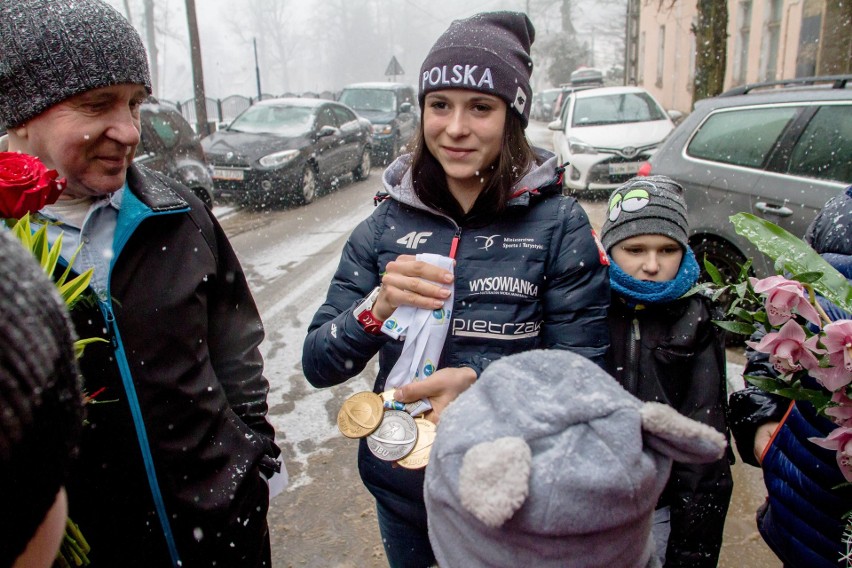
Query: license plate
{"type": "Point", "coordinates": [622, 168]}
{"type": "Point", "coordinates": [228, 173]}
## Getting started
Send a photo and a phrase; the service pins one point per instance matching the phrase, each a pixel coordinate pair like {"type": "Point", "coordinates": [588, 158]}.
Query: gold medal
{"type": "Point", "coordinates": [360, 414]}
{"type": "Point", "coordinates": [419, 456]}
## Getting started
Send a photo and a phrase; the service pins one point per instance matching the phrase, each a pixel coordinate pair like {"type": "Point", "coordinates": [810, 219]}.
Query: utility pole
{"type": "Point", "coordinates": [256, 67]}
{"type": "Point", "coordinates": [151, 36]}
{"type": "Point", "coordinates": [197, 73]}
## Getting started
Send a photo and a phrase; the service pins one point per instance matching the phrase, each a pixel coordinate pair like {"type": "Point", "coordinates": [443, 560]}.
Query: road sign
{"type": "Point", "coordinates": [394, 68]}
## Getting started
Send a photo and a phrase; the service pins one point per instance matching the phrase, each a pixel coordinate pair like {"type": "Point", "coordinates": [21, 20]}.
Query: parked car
{"type": "Point", "coordinates": [280, 150]}
{"type": "Point", "coordinates": [542, 105]}
{"type": "Point", "coordinates": [605, 134]}
{"type": "Point", "coordinates": [779, 150]}
{"type": "Point", "coordinates": [392, 109]}
{"type": "Point", "coordinates": [169, 145]}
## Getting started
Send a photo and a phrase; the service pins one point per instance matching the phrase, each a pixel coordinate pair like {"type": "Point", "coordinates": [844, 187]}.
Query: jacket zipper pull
{"type": "Point", "coordinates": [454, 247]}
{"type": "Point", "coordinates": [110, 322]}
{"type": "Point", "coordinates": [636, 334]}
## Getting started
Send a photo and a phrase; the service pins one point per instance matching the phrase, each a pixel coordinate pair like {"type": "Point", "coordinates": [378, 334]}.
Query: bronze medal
{"type": "Point", "coordinates": [360, 414]}
{"type": "Point", "coordinates": [395, 437]}
{"type": "Point", "coordinates": [419, 456]}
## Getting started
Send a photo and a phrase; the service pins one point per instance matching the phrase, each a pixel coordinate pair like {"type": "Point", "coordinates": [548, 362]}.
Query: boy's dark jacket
{"type": "Point", "coordinates": [187, 330]}
{"type": "Point", "coordinates": [673, 353]}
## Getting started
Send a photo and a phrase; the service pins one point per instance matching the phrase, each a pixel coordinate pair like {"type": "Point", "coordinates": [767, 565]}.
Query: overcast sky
{"type": "Point", "coordinates": [301, 46]}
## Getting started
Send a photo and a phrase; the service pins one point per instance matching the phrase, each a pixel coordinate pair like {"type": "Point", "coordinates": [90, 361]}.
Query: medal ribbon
{"type": "Point", "coordinates": [425, 332]}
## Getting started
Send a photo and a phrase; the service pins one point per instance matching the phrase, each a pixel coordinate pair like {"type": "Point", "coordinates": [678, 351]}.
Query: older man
{"type": "Point", "coordinates": [177, 448]}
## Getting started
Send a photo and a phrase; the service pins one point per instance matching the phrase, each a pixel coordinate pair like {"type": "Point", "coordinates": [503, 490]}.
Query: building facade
{"type": "Point", "coordinates": [767, 40]}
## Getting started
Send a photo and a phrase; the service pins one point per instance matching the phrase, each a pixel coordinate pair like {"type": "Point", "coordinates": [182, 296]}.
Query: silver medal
{"type": "Point", "coordinates": [395, 437]}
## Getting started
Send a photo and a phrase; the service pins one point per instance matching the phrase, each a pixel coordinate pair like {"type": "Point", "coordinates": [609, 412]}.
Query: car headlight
{"type": "Point", "coordinates": [576, 146]}
{"type": "Point", "coordinates": [278, 158]}
{"type": "Point", "coordinates": [382, 129]}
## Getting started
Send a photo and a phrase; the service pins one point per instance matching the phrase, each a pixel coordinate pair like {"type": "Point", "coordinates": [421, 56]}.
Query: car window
{"type": "Point", "coordinates": [344, 116]}
{"type": "Point", "coordinates": [282, 120]}
{"type": "Point", "coordinates": [743, 137]}
{"type": "Point", "coordinates": [616, 109]}
{"type": "Point", "coordinates": [164, 130]}
{"type": "Point", "coordinates": [369, 99]}
{"type": "Point", "coordinates": [326, 117]}
{"type": "Point", "coordinates": [824, 150]}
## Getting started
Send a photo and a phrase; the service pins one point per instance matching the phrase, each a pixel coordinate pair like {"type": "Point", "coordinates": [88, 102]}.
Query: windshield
{"type": "Point", "coordinates": [365, 99]}
{"type": "Point", "coordinates": [282, 120]}
{"type": "Point", "coordinates": [616, 109]}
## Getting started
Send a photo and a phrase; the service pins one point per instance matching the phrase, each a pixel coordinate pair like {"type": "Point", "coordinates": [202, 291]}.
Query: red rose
{"type": "Point", "coordinates": [26, 185]}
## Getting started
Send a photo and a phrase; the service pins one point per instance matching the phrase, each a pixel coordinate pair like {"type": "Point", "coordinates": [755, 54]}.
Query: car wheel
{"type": "Point", "coordinates": [309, 185]}
{"type": "Point", "coordinates": [203, 195]}
{"type": "Point", "coordinates": [362, 172]}
{"type": "Point", "coordinates": [728, 260]}
{"type": "Point", "coordinates": [722, 255]}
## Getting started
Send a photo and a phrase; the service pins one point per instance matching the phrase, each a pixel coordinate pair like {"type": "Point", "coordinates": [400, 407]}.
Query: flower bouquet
{"type": "Point", "coordinates": [26, 186]}
{"type": "Point", "coordinates": [801, 340]}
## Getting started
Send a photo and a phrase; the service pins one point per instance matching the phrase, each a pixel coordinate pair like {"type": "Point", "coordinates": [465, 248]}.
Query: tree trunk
{"type": "Point", "coordinates": [197, 72]}
{"type": "Point", "coordinates": [711, 42]}
{"type": "Point", "coordinates": [151, 40]}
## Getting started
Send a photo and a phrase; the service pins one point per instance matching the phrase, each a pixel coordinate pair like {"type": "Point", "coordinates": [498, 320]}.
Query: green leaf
{"type": "Point", "coordinates": [73, 288]}
{"type": "Point", "coordinates": [735, 327]}
{"type": "Point", "coordinates": [23, 233]}
{"type": "Point", "coordinates": [744, 315]}
{"type": "Point", "coordinates": [808, 277]}
{"type": "Point", "coordinates": [713, 273]}
{"type": "Point", "coordinates": [794, 256]}
{"type": "Point", "coordinates": [53, 256]}
{"type": "Point", "coordinates": [80, 344]}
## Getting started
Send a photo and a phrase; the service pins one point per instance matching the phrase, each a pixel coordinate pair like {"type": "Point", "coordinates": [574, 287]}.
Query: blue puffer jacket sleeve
{"type": "Point", "coordinates": [337, 347]}
{"type": "Point", "coordinates": [578, 295]}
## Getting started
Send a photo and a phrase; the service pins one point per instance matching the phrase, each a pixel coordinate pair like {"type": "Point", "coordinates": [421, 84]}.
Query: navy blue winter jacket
{"type": "Point", "coordinates": [532, 279]}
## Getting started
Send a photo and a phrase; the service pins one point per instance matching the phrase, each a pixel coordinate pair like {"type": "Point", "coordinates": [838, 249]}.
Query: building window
{"type": "Point", "coordinates": [743, 36]}
{"type": "Point", "coordinates": [771, 40]}
{"type": "Point", "coordinates": [661, 56]}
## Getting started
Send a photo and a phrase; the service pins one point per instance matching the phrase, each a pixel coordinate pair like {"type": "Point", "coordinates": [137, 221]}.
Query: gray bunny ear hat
{"type": "Point", "coordinates": [548, 461]}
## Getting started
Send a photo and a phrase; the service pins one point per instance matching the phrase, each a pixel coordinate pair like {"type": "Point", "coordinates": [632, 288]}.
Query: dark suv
{"type": "Point", "coordinates": [392, 109]}
{"type": "Point", "coordinates": [779, 150]}
{"type": "Point", "coordinates": [169, 145]}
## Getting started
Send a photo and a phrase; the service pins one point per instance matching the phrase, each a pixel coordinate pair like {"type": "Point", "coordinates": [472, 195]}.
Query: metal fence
{"type": "Point", "coordinates": [225, 110]}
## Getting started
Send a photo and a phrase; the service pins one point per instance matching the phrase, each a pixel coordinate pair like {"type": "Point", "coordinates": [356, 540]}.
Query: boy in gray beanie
{"type": "Point", "coordinates": [665, 348]}
{"type": "Point", "coordinates": [174, 464]}
{"type": "Point", "coordinates": [41, 410]}
{"type": "Point", "coordinates": [546, 461]}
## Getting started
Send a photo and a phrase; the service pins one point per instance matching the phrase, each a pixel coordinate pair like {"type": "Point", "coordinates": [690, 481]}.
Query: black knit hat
{"type": "Point", "coordinates": [51, 50]}
{"type": "Point", "coordinates": [488, 52]}
{"type": "Point", "coordinates": [652, 205]}
{"type": "Point", "coordinates": [41, 407]}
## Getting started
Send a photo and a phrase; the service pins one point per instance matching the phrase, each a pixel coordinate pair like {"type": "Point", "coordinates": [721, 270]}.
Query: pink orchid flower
{"type": "Point", "coordinates": [842, 413]}
{"type": "Point", "coordinates": [782, 297]}
{"type": "Point", "coordinates": [839, 440]}
{"type": "Point", "coordinates": [838, 344]}
{"type": "Point", "coordinates": [789, 348]}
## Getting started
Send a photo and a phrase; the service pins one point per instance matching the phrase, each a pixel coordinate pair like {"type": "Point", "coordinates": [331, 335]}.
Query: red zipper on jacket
{"type": "Point", "coordinates": [455, 244]}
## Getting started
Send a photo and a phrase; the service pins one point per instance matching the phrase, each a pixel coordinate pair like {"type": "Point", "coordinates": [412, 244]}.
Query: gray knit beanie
{"type": "Point", "coordinates": [41, 407]}
{"type": "Point", "coordinates": [652, 205]}
{"type": "Point", "coordinates": [547, 461]}
{"type": "Point", "coordinates": [488, 52]}
{"type": "Point", "coordinates": [51, 50]}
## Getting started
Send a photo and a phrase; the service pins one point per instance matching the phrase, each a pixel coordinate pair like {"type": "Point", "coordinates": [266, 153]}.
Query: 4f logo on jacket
{"type": "Point", "coordinates": [412, 239]}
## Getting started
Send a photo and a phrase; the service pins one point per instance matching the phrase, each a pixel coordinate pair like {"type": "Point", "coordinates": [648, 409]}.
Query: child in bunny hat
{"type": "Point", "coordinates": [548, 461]}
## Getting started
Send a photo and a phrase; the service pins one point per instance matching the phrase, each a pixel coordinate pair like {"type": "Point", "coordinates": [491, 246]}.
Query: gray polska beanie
{"type": "Point", "coordinates": [547, 461]}
{"type": "Point", "coordinates": [652, 205]}
{"type": "Point", "coordinates": [41, 406]}
{"type": "Point", "coordinates": [488, 52]}
{"type": "Point", "coordinates": [51, 50]}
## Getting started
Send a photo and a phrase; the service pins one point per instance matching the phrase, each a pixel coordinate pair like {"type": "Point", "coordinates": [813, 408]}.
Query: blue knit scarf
{"type": "Point", "coordinates": [643, 292]}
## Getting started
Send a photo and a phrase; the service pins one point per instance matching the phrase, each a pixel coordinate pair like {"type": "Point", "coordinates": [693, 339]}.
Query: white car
{"type": "Point", "coordinates": [606, 133]}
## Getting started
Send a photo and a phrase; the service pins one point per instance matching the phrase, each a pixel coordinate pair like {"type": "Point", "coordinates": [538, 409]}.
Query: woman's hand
{"type": "Point", "coordinates": [441, 388]}
{"type": "Point", "coordinates": [762, 437]}
{"type": "Point", "coordinates": [411, 282]}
